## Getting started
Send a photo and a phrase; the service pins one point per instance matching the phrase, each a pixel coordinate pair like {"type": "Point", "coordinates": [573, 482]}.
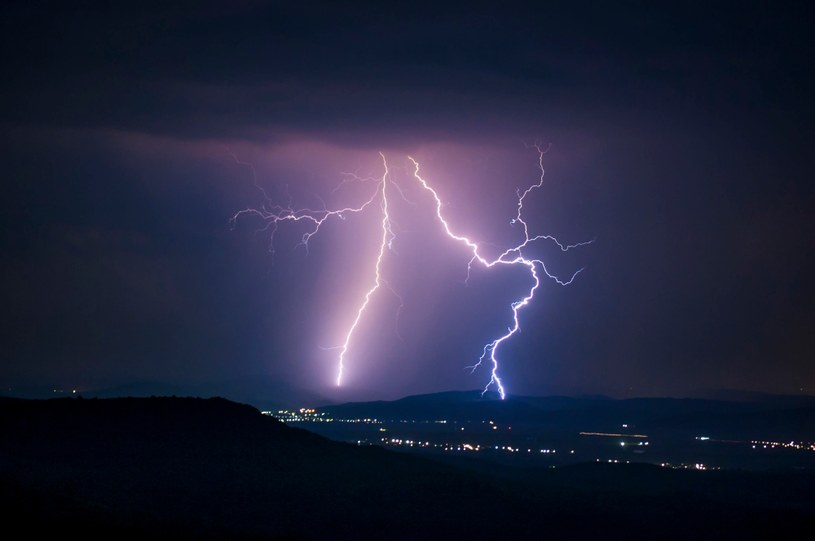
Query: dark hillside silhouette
{"type": "Point", "coordinates": [192, 468]}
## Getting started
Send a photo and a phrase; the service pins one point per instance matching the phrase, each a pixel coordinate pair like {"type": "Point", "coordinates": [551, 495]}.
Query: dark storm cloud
{"type": "Point", "coordinates": [362, 72]}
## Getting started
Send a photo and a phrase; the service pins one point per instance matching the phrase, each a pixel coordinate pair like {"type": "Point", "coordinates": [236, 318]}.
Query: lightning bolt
{"type": "Point", "coordinates": [386, 242]}
{"type": "Point", "coordinates": [511, 256]}
{"type": "Point", "coordinates": [272, 215]}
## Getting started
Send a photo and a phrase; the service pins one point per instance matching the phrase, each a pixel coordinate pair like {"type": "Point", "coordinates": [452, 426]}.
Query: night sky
{"type": "Point", "coordinates": [680, 137]}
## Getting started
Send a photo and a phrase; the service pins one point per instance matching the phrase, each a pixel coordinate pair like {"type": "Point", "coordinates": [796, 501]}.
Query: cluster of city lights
{"type": "Point", "coordinates": [688, 466]}
{"type": "Point", "coordinates": [797, 445]}
{"type": "Point", "coordinates": [638, 443]}
{"type": "Point", "coordinates": [461, 447]}
{"type": "Point", "coordinates": [766, 444]}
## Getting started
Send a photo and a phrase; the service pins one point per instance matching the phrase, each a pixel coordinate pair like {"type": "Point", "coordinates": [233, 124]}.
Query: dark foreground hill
{"type": "Point", "coordinates": [189, 468]}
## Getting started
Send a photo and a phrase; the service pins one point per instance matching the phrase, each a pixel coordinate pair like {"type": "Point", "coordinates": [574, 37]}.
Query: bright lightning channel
{"type": "Point", "coordinates": [272, 215]}
{"type": "Point", "coordinates": [511, 256]}
{"type": "Point", "coordinates": [387, 242]}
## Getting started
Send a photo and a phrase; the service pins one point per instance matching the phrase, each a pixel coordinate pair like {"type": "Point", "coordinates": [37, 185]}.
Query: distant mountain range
{"type": "Point", "coordinates": [782, 417]}
{"type": "Point", "coordinates": [258, 390]}
{"type": "Point", "coordinates": [193, 468]}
